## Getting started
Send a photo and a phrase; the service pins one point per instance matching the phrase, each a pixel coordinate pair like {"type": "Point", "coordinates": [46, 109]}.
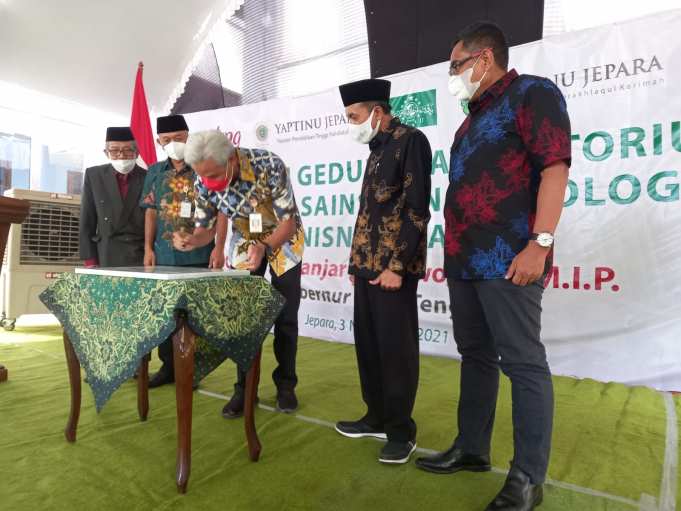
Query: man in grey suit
{"type": "Point", "coordinates": [111, 220]}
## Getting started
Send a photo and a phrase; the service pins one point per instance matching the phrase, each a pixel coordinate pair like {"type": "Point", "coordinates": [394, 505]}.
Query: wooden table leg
{"type": "Point", "coordinates": [3, 373]}
{"type": "Point", "coordinates": [183, 356]}
{"type": "Point", "coordinates": [252, 380]}
{"type": "Point", "coordinates": [74, 380]}
{"type": "Point", "coordinates": [143, 388]}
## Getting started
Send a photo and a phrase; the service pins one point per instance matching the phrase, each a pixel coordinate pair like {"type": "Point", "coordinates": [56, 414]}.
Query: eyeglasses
{"type": "Point", "coordinates": [116, 153]}
{"type": "Point", "coordinates": [455, 65]}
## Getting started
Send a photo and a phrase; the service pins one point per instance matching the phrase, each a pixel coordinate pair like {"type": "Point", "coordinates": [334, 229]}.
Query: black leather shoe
{"type": "Point", "coordinates": [518, 493]}
{"type": "Point", "coordinates": [162, 377]}
{"type": "Point", "coordinates": [287, 401]}
{"type": "Point", "coordinates": [235, 408]}
{"type": "Point", "coordinates": [453, 460]}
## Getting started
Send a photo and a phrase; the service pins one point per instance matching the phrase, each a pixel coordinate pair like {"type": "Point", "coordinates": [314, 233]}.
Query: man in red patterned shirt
{"type": "Point", "coordinates": [508, 173]}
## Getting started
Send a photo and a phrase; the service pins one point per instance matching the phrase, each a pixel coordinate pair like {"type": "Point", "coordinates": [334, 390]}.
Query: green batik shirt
{"type": "Point", "coordinates": [165, 189]}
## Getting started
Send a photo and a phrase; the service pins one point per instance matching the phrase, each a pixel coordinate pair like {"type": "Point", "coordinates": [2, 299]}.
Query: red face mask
{"type": "Point", "coordinates": [215, 185]}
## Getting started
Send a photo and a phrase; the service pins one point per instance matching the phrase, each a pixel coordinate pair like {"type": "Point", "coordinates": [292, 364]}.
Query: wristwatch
{"type": "Point", "coordinates": [543, 239]}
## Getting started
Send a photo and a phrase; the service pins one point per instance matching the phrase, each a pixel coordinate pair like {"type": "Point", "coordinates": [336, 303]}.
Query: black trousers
{"type": "Point", "coordinates": [285, 329]}
{"type": "Point", "coordinates": [387, 347]}
{"type": "Point", "coordinates": [497, 325]}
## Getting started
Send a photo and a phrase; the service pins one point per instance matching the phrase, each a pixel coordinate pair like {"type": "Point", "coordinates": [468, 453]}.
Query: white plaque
{"type": "Point", "coordinates": [163, 272]}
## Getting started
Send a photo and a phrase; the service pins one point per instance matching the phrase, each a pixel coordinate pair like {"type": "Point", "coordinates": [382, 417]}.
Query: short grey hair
{"type": "Point", "coordinates": [208, 145]}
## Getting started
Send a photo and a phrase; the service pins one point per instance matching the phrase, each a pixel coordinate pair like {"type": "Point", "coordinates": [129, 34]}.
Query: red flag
{"type": "Point", "coordinates": [140, 123]}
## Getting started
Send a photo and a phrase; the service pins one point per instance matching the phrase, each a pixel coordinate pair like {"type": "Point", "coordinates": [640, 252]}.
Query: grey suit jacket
{"type": "Point", "coordinates": [112, 229]}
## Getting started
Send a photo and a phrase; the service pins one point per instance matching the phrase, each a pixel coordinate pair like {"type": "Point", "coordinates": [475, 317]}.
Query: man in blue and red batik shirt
{"type": "Point", "coordinates": [508, 173]}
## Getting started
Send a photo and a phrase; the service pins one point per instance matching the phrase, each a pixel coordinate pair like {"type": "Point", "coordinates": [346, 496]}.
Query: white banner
{"type": "Point", "coordinates": [612, 310]}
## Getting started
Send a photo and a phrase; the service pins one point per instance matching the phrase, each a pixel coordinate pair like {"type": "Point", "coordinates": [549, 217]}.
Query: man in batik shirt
{"type": "Point", "coordinates": [508, 174]}
{"type": "Point", "coordinates": [387, 260]}
{"type": "Point", "coordinates": [253, 189]}
{"type": "Point", "coordinates": [168, 199]}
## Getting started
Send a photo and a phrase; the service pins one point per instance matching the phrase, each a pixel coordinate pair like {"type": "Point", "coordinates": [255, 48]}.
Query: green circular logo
{"type": "Point", "coordinates": [261, 132]}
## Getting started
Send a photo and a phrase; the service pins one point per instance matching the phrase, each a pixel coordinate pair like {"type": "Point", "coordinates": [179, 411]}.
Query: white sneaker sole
{"type": "Point", "coordinates": [400, 461]}
{"type": "Point", "coordinates": [381, 436]}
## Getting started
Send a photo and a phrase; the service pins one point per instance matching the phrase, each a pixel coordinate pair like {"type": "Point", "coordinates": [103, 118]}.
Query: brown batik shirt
{"type": "Point", "coordinates": [391, 228]}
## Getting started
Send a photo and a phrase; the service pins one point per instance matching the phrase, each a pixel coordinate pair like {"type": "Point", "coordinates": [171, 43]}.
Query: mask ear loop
{"type": "Point", "coordinates": [378, 121]}
{"type": "Point", "coordinates": [371, 118]}
{"type": "Point", "coordinates": [473, 68]}
{"type": "Point", "coordinates": [483, 74]}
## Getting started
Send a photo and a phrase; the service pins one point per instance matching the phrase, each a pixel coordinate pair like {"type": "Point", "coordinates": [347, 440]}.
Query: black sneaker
{"type": "Point", "coordinates": [235, 408]}
{"type": "Point", "coordinates": [359, 429]}
{"type": "Point", "coordinates": [397, 452]}
{"type": "Point", "coordinates": [287, 401]}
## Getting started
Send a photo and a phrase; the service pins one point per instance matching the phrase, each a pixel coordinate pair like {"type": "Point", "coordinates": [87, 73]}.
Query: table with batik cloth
{"type": "Point", "coordinates": [111, 324]}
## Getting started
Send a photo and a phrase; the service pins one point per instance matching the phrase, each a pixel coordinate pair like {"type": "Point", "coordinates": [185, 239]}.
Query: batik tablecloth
{"type": "Point", "coordinates": [113, 322]}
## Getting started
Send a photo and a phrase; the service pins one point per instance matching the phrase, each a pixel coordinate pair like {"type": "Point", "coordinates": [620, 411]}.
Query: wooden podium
{"type": "Point", "coordinates": [12, 211]}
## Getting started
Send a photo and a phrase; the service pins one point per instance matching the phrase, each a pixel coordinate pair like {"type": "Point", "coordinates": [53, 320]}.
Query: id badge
{"type": "Point", "coordinates": [185, 209]}
{"type": "Point", "coordinates": [255, 221]}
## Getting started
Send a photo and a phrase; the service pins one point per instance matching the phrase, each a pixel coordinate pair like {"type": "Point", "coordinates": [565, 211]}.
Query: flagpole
{"type": "Point", "coordinates": [140, 122]}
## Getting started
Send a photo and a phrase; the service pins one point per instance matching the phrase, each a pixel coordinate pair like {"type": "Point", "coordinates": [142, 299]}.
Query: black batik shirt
{"type": "Point", "coordinates": [517, 128]}
{"type": "Point", "coordinates": [391, 228]}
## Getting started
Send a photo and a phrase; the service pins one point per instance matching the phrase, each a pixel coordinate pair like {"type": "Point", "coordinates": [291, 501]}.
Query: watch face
{"type": "Point", "coordinates": [545, 239]}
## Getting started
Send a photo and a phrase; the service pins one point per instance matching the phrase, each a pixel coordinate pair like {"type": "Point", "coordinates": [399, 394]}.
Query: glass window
{"type": "Point", "coordinates": [46, 142]}
{"type": "Point", "coordinates": [15, 161]}
{"type": "Point", "coordinates": [282, 48]}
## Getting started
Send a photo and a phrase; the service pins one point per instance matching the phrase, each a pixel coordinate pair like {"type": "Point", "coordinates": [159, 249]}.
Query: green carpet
{"type": "Point", "coordinates": [608, 443]}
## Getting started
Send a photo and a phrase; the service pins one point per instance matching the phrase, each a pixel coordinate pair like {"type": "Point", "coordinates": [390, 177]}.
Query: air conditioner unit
{"type": "Point", "coordinates": [38, 250]}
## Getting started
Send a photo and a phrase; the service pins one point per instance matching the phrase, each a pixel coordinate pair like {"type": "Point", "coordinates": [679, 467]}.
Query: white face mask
{"type": "Point", "coordinates": [363, 132]}
{"type": "Point", "coordinates": [123, 166]}
{"type": "Point", "coordinates": [461, 87]}
{"type": "Point", "coordinates": [175, 150]}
